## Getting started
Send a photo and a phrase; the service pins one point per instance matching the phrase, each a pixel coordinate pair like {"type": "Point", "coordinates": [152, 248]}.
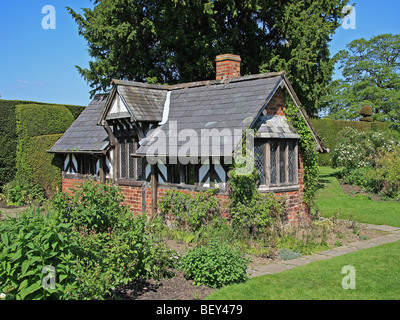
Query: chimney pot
{"type": "Point", "coordinates": [228, 66]}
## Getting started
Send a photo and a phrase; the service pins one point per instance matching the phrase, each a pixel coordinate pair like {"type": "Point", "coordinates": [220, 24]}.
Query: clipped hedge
{"type": "Point", "coordinates": [46, 167]}
{"type": "Point", "coordinates": [9, 136]}
{"type": "Point", "coordinates": [328, 130]}
{"type": "Point", "coordinates": [37, 120]}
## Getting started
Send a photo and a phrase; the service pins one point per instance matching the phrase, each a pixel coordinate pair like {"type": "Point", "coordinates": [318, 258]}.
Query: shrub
{"type": "Point", "coordinates": [190, 211]}
{"type": "Point", "coordinates": [46, 167]}
{"type": "Point", "coordinates": [27, 245]}
{"type": "Point", "coordinates": [356, 148]}
{"type": "Point", "coordinates": [259, 214]}
{"type": "Point", "coordinates": [93, 206]}
{"type": "Point", "coordinates": [19, 193]}
{"type": "Point", "coordinates": [328, 130]}
{"type": "Point", "coordinates": [366, 111]}
{"type": "Point", "coordinates": [215, 266]}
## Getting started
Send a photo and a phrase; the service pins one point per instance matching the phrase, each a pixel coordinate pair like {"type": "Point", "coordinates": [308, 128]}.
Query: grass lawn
{"type": "Point", "coordinates": [377, 277]}
{"type": "Point", "coordinates": [331, 199]}
{"type": "Point", "coordinates": [377, 271]}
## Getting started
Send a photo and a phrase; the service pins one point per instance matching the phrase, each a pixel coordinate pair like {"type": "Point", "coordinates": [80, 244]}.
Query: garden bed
{"type": "Point", "coordinates": [179, 288]}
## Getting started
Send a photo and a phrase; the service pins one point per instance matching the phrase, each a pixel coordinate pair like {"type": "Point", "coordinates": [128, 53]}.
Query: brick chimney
{"type": "Point", "coordinates": [228, 66]}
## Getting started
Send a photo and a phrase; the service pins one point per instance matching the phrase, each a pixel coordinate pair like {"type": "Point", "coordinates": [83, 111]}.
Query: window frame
{"type": "Point", "coordinates": [281, 143]}
{"type": "Point", "coordinates": [128, 179]}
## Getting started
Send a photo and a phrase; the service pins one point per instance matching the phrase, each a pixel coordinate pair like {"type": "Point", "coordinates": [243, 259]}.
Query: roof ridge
{"type": "Point", "coordinates": [193, 84]}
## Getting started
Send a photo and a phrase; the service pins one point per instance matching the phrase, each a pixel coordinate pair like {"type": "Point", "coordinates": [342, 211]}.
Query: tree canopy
{"type": "Point", "coordinates": [370, 76]}
{"type": "Point", "coordinates": [171, 41]}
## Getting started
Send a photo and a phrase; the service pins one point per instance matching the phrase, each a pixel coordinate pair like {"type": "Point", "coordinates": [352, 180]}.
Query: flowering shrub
{"type": "Point", "coordinates": [369, 160]}
{"type": "Point", "coordinates": [357, 148]}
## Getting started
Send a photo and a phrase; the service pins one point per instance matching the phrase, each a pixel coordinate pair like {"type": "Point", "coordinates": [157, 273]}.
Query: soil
{"type": "Point", "coordinates": [179, 288]}
{"type": "Point", "coordinates": [355, 190]}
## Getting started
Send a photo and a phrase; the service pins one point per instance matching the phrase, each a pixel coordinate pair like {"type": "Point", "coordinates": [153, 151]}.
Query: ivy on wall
{"type": "Point", "coordinates": [308, 150]}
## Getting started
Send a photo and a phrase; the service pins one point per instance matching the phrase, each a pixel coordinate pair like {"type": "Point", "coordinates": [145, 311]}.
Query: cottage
{"type": "Point", "coordinates": [149, 138]}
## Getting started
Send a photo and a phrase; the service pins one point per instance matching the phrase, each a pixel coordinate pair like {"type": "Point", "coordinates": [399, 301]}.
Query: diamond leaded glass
{"type": "Point", "coordinates": [291, 160]}
{"type": "Point", "coordinates": [282, 158]}
{"type": "Point", "coordinates": [273, 155]}
{"type": "Point", "coordinates": [259, 161]}
{"type": "Point", "coordinates": [123, 159]}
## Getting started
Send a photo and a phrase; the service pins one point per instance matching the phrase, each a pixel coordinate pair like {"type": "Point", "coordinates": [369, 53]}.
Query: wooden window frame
{"type": "Point", "coordinates": [127, 180]}
{"type": "Point", "coordinates": [281, 143]}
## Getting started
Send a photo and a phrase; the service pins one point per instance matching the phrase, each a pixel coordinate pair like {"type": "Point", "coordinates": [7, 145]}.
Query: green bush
{"type": "Point", "coordinates": [328, 131]}
{"type": "Point", "coordinates": [28, 244]}
{"type": "Point", "coordinates": [19, 193]}
{"type": "Point", "coordinates": [9, 137]}
{"type": "Point", "coordinates": [259, 214]}
{"type": "Point", "coordinates": [94, 206]}
{"type": "Point", "coordinates": [46, 167]}
{"type": "Point", "coordinates": [91, 251]}
{"type": "Point", "coordinates": [190, 211]}
{"type": "Point", "coordinates": [215, 266]}
{"type": "Point", "coordinates": [33, 121]}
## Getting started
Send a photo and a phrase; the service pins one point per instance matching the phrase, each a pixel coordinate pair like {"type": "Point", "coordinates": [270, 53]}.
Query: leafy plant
{"type": "Point", "coordinates": [19, 193]}
{"type": "Point", "coordinates": [189, 211]}
{"type": "Point", "coordinates": [93, 206]}
{"type": "Point", "coordinates": [286, 254]}
{"type": "Point", "coordinates": [27, 245]}
{"type": "Point", "coordinates": [216, 265]}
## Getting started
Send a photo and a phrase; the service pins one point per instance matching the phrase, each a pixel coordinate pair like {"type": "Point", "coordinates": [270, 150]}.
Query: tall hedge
{"type": "Point", "coordinates": [37, 120]}
{"type": "Point", "coordinates": [9, 137]}
{"type": "Point", "coordinates": [46, 166]}
{"type": "Point", "coordinates": [328, 130]}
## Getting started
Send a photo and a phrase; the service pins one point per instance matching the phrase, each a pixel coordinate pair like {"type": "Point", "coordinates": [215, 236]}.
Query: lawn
{"type": "Point", "coordinates": [377, 272]}
{"type": "Point", "coordinates": [377, 277]}
{"type": "Point", "coordinates": [330, 199]}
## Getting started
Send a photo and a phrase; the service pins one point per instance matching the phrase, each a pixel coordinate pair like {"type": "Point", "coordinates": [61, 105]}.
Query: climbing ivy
{"type": "Point", "coordinates": [307, 149]}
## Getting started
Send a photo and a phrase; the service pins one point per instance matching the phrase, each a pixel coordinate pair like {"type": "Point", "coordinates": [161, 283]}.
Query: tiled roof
{"type": "Point", "coordinates": [84, 135]}
{"type": "Point", "coordinates": [274, 126]}
{"type": "Point", "coordinates": [145, 102]}
{"type": "Point", "coordinates": [233, 105]}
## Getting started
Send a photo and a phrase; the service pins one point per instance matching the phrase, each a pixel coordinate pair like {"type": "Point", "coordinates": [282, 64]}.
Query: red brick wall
{"type": "Point", "coordinates": [228, 66]}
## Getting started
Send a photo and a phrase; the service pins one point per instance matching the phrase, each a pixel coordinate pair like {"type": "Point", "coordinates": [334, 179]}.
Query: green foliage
{"type": "Point", "coordinates": [91, 255]}
{"type": "Point", "coordinates": [28, 244]}
{"type": "Point", "coordinates": [37, 120]}
{"type": "Point", "coordinates": [259, 214]}
{"type": "Point", "coordinates": [93, 205]}
{"type": "Point", "coordinates": [215, 266]}
{"type": "Point", "coordinates": [286, 254]}
{"type": "Point", "coordinates": [9, 137]}
{"type": "Point", "coordinates": [190, 211]}
{"type": "Point", "coordinates": [307, 150]}
{"type": "Point", "coordinates": [46, 172]}
{"type": "Point", "coordinates": [19, 193]}
{"type": "Point", "coordinates": [177, 41]}
{"type": "Point", "coordinates": [328, 131]}
{"type": "Point", "coordinates": [370, 76]}
{"type": "Point", "coordinates": [369, 160]}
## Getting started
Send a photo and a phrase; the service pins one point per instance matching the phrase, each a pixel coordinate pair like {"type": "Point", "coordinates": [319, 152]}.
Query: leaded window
{"type": "Point", "coordinates": [130, 168]}
{"type": "Point", "coordinates": [277, 162]}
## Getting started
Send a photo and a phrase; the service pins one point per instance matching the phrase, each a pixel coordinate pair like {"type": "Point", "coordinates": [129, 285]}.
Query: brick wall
{"type": "Point", "coordinates": [228, 66]}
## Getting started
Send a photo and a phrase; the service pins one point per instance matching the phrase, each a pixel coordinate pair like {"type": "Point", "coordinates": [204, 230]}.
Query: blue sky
{"type": "Point", "coordinates": [39, 65]}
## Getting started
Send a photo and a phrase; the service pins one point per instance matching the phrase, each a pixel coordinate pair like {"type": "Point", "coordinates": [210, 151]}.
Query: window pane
{"type": "Point", "coordinates": [282, 160]}
{"type": "Point", "coordinates": [291, 161]}
{"type": "Point", "coordinates": [139, 166]}
{"type": "Point", "coordinates": [123, 159]}
{"type": "Point", "coordinates": [259, 161]}
{"type": "Point", "coordinates": [273, 147]}
{"type": "Point", "coordinates": [131, 161]}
